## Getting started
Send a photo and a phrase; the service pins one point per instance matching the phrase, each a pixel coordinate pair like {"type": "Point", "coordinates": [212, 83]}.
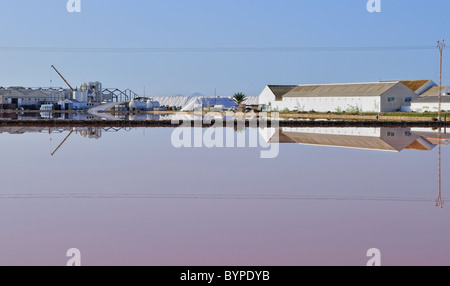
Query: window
{"type": "Point", "coordinates": [390, 134]}
{"type": "Point", "coordinates": [408, 99]}
{"type": "Point", "coordinates": [390, 99]}
{"type": "Point", "coordinates": [408, 134]}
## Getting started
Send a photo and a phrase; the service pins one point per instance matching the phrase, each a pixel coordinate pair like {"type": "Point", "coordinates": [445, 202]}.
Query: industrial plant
{"type": "Point", "coordinates": [92, 94]}
{"type": "Point", "coordinates": [373, 97]}
{"type": "Point", "coordinates": [47, 99]}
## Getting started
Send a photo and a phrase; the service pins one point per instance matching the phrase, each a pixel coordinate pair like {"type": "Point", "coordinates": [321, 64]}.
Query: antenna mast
{"type": "Point", "coordinates": [441, 46]}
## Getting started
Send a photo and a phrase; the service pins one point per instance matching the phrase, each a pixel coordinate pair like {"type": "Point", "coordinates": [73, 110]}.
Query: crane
{"type": "Point", "coordinates": [63, 78]}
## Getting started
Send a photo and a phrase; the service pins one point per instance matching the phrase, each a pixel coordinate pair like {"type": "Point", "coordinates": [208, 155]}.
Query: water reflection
{"type": "Point", "coordinates": [86, 132]}
{"type": "Point", "coordinates": [129, 190]}
{"type": "Point", "coordinates": [439, 201]}
{"type": "Point", "coordinates": [377, 139]}
{"type": "Point", "coordinates": [150, 116]}
{"type": "Point", "coordinates": [183, 116]}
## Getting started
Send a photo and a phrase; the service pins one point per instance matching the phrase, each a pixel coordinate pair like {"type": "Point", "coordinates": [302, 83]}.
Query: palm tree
{"type": "Point", "coordinates": [239, 98]}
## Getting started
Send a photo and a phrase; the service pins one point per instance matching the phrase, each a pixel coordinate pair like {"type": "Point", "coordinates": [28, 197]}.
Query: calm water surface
{"type": "Point", "coordinates": [129, 197]}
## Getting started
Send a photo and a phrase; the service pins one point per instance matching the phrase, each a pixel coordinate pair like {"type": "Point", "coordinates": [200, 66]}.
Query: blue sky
{"type": "Point", "coordinates": [218, 23]}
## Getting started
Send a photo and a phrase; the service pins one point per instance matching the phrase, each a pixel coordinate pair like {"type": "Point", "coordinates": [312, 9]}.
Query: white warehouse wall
{"type": "Point", "coordinates": [266, 96]}
{"type": "Point", "coordinates": [319, 104]}
{"type": "Point", "coordinates": [429, 106]}
{"type": "Point", "coordinates": [332, 104]}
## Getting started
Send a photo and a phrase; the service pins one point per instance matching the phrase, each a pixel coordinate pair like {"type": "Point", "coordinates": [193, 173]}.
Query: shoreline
{"type": "Point", "coordinates": [226, 123]}
{"type": "Point", "coordinates": [408, 117]}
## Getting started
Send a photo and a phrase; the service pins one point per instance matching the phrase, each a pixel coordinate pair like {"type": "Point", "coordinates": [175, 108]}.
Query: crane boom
{"type": "Point", "coordinates": [65, 139]}
{"type": "Point", "coordinates": [62, 77]}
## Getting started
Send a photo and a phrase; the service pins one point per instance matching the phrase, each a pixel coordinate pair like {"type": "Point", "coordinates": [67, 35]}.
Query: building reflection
{"type": "Point", "coordinates": [85, 132]}
{"type": "Point", "coordinates": [47, 115]}
{"type": "Point", "coordinates": [379, 139]}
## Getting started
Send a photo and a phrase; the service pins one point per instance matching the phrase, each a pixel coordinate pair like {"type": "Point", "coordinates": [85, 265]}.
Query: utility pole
{"type": "Point", "coordinates": [441, 46]}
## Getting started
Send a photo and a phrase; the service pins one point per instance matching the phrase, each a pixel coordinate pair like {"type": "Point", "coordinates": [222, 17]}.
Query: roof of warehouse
{"type": "Point", "coordinates": [341, 90]}
{"type": "Point", "coordinates": [414, 85]}
{"type": "Point", "coordinates": [432, 99]}
{"type": "Point", "coordinates": [22, 92]}
{"type": "Point", "coordinates": [7, 92]}
{"type": "Point", "coordinates": [432, 91]}
{"type": "Point", "coordinates": [280, 90]}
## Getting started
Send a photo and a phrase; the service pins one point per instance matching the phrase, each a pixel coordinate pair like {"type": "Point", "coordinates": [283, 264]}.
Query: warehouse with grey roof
{"type": "Point", "coordinates": [349, 97]}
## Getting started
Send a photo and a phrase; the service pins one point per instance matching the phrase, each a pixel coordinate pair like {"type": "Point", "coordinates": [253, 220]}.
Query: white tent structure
{"type": "Point", "coordinates": [198, 102]}
{"type": "Point", "coordinates": [190, 103]}
{"type": "Point", "coordinates": [178, 101]}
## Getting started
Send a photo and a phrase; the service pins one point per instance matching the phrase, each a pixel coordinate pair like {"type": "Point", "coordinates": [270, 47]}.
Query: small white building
{"type": "Point", "coordinates": [430, 104]}
{"type": "Point", "coordinates": [72, 104]}
{"type": "Point", "coordinates": [349, 97]}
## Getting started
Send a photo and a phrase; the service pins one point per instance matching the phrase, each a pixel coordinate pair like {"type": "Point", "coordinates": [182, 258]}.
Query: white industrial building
{"type": "Point", "coordinates": [349, 97]}
{"type": "Point", "coordinates": [72, 104]}
{"type": "Point", "coordinates": [143, 104]}
{"type": "Point", "coordinates": [89, 94]}
{"type": "Point", "coordinates": [26, 98]}
{"type": "Point", "coordinates": [429, 100]}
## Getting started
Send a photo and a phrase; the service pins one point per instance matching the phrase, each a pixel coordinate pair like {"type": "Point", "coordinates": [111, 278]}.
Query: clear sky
{"type": "Point", "coordinates": [212, 24]}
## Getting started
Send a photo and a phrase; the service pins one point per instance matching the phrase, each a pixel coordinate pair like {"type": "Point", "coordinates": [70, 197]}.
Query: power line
{"type": "Point", "coordinates": [213, 197]}
{"type": "Point", "coordinates": [212, 49]}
